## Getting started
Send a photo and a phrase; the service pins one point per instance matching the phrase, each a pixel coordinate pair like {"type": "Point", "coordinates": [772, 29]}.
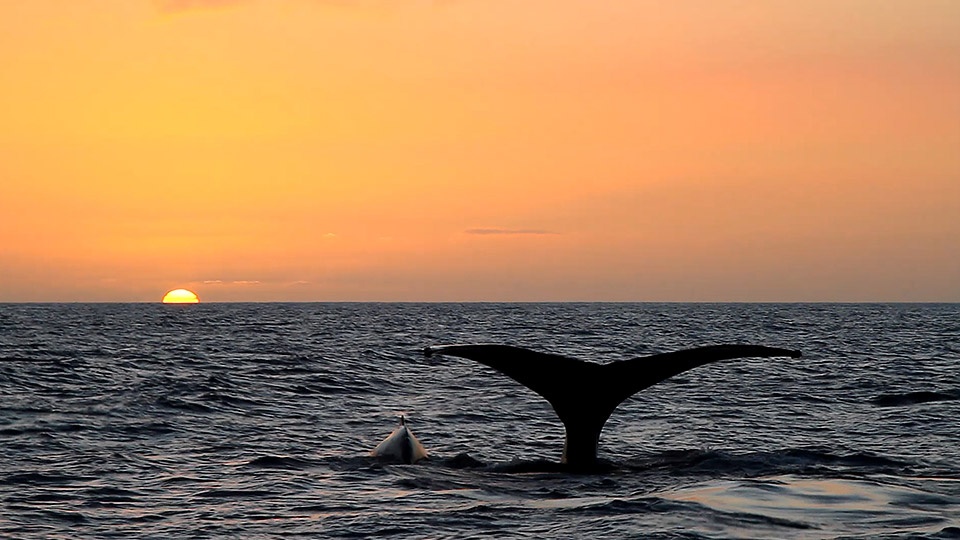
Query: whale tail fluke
{"type": "Point", "coordinates": [584, 394]}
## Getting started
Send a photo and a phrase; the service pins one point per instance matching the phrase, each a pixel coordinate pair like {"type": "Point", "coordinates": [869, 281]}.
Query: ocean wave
{"type": "Point", "coordinates": [914, 398]}
{"type": "Point", "coordinates": [257, 420]}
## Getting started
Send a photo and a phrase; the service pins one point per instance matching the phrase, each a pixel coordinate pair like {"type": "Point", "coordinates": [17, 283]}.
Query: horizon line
{"type": "Point", "coordinates": [12, 302]}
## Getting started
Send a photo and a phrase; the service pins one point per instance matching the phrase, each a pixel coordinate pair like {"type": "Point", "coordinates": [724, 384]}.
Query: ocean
{"type": "Point", "coordinates": [257, 420]}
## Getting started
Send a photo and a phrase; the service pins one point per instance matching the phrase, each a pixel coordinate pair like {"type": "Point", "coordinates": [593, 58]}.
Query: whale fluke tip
{"type": "Point", "coordinates": [401, 446]}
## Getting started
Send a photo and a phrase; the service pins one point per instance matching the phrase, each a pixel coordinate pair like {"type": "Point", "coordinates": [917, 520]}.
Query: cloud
{"type": "Point", "coordinates": [173, 6]}
{"type": "Point", "coordinates": [176, 6]}
{"type": "Point", "coordinates": [498, 230]}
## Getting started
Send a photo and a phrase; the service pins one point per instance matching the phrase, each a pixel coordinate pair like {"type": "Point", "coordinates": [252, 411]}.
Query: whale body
{"type": "Point", "coordinates": [584, 394]}
{"type": "Point", "coordinates": [401, 446]}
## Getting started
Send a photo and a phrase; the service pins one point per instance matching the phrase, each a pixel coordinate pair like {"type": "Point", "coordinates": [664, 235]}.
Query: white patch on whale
{"type": "Point", "coordinates": [401, 446]}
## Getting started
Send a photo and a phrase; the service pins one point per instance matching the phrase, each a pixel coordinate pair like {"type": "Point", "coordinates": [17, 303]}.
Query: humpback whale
{"type": "Point", "coordinates": [584, 394]}
{"type": "Point", "coordinates": [401, 446]}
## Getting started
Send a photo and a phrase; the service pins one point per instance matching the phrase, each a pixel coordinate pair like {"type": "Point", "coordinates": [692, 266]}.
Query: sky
{"type": "Point", "coordinates": [480, 150]}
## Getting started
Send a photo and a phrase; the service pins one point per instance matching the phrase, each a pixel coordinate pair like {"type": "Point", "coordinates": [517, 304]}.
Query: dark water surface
{"type": "Point", "coordinates": [255, 420]}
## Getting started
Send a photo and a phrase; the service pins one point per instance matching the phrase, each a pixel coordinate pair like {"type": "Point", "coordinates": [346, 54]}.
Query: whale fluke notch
{"type": "Point", "coordinates": [584, 394]}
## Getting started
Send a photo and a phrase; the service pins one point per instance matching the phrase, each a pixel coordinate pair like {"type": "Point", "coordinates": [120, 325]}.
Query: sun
{"type": "Point", "coordinates": [181, 296]}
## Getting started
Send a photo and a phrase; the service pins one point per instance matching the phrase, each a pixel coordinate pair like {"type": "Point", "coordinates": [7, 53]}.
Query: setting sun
{"type": "Point", "coordinates": [181, 296]}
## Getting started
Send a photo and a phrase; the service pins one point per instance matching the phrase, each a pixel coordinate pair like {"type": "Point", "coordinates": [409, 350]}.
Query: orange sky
{"type": "Point", "coordinates": [311, 150]}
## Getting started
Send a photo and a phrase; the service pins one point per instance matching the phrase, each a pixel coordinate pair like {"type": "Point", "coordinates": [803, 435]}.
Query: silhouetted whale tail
{"type": "Point", "coordinates": [584, 394]}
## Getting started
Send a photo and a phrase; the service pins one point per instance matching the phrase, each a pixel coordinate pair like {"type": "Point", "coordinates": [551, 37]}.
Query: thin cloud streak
{"type": "Point", "coordinates": [174, 6]}
{"type": "Point", "coordinates": [497, 230]}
